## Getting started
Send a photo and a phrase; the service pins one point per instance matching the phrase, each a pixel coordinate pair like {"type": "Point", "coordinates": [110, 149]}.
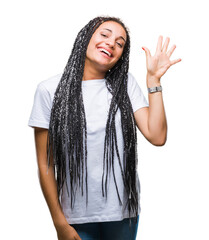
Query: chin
{"type": "Point", "coordinates": [103, 66]}
{"type": "Point", "coordinates": [100, 64]}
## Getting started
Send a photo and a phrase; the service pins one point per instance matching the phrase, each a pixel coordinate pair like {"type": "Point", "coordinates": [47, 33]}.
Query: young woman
{"type": "Point", "coordinates": [85, 133]}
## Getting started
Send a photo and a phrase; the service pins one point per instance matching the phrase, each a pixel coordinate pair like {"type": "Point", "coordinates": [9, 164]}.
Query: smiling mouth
{"type": "Point", "coordinates": [105, 52]}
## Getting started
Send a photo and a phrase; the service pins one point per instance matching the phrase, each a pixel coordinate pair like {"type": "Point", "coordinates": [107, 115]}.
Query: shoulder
{"type": "Point", "coordinates": [130, 75]}
{"type": "Point", "coordinates": [50, 84]}
{"type": "Point", "coordinates": [131, 80]}
{"type": "Point", "coordinates": [47, 87]}
{"type": "Point", "coordinates": [131, 83]}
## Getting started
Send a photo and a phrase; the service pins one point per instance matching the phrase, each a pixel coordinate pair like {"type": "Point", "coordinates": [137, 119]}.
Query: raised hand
{"type": "Point", "coordinates": [158, 64]}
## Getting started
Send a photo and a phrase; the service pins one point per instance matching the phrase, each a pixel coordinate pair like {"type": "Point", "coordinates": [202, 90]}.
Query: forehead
{"type": "Point", "coordinates": [115, 27]}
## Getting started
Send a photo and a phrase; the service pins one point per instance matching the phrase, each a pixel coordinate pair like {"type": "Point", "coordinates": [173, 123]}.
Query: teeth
{"type": "Point", "coordinates": [103, 50]}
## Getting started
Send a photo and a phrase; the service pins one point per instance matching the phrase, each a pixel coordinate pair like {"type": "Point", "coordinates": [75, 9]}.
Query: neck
{"type": "Point", "coordinates": [90, 72]}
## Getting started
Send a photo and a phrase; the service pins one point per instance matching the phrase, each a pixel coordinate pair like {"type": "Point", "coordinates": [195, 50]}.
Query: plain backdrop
{"type": "Point", "coordinates": [36, 41]}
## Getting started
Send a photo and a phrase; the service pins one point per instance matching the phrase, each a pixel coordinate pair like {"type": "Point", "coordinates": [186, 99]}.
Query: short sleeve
{"type": "Point", "coordinates": [40, 114]}
{"type": "Point", "coordinates": [135, 93]}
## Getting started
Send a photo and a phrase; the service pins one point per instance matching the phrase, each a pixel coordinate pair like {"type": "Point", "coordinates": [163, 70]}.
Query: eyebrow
{"type": "Point", "coordinates": [111, 32]}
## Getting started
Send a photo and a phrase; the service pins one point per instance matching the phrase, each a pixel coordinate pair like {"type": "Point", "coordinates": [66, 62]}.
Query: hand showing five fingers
{"type": "Point", "coordinates": [158, 64]}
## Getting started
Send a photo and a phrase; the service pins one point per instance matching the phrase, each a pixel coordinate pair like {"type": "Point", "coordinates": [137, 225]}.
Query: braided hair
{"type": "Point", "coordinates": [67, 135]}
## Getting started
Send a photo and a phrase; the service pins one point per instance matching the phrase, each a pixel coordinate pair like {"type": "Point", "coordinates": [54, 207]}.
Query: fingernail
{"type": "Point", "coordinates": [143, 48]}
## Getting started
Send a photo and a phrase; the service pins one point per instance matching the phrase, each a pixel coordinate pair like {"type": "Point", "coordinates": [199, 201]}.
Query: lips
{"type": "Point", "coordinates": [106, 52]}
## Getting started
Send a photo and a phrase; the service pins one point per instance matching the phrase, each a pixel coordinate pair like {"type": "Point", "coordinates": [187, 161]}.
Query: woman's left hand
{"type": "Point", "coordinates": [158, 64]}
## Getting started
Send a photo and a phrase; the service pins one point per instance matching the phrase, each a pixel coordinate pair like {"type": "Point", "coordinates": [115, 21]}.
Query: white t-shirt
{"type": "Point", "coordinates": [97, 99]}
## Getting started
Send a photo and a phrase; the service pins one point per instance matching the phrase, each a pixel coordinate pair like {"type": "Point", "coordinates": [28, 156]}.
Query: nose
{"type": "Point", "coordinates": [110, 42]}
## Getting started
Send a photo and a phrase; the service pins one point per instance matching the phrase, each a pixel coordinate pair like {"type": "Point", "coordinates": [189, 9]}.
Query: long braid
{"type": "Point", "coordinates": [67, 135]}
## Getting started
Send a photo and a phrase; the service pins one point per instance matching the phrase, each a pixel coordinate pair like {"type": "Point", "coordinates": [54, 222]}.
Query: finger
{"type": "Point", "coordinates": [147, 52]}
{"type": "Point", "coordinates": [175, 61]}
{"type": "Point", "coordinates": [78, 237]}
{"type": "Point", "coordinates": [159, 44]}
{"type": "Point", "coordinates": [169, 53]}
{"type": "Point", "coordinates": [165, 46]}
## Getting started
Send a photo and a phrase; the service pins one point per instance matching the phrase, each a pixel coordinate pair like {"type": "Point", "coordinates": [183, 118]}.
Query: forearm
{"type": "Point", "coordinates": [49, 189]}
{"type": "Point", "coordinates": [157, 123]}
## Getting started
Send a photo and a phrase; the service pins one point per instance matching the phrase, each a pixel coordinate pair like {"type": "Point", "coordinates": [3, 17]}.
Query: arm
{"type": "Point", "coordinates": [151, 121]}
{"type": "Point", "coordinates": [49, 187]}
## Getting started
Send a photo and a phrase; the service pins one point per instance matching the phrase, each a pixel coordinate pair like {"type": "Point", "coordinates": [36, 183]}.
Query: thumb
{"type": "Point", "coordinates": [147, 52]}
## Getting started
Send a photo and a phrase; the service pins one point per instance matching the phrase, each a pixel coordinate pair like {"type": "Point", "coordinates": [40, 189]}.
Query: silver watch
{"type": "Point", "coordinates": [155, 89]}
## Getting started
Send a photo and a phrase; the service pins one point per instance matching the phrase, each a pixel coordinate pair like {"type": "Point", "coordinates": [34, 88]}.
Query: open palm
{"type": "Point", "coordinates": [158, 64]}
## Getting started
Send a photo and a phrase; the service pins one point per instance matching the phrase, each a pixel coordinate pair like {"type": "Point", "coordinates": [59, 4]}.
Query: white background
{"type": "Point", "coordinates": [36, 41]}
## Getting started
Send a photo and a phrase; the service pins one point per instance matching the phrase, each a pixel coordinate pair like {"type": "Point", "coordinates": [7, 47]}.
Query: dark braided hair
{"type": "Point", "coordinates": [67, 135]}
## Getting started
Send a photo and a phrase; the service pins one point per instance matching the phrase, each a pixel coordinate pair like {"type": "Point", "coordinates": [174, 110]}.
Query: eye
{"type": "Point", "coordinates": [104, 35]}
{"type": "Point", "coordinates": [120, 45]}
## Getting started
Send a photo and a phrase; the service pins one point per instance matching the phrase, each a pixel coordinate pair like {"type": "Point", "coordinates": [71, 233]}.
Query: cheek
{"type": "Point", "coordinates": [94, 41]}
{"type": "Point", "coordinates": [92, 45]}
{"type": "Point", "coordinates": [89, 49]}
{"type": "Point", "coordinates": [119, 54]}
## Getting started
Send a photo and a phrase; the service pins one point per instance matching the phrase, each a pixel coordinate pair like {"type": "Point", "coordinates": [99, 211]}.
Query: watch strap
{"type": "Point", "coordinates": [155, 89]}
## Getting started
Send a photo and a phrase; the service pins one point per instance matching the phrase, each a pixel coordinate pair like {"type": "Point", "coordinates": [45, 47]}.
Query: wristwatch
{"type": "Point", "coordinates": [155, 89]}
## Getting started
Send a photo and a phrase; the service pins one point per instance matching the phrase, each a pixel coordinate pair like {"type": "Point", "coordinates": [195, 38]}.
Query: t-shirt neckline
{"type": "Point", "coordinates": [93, 81]}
